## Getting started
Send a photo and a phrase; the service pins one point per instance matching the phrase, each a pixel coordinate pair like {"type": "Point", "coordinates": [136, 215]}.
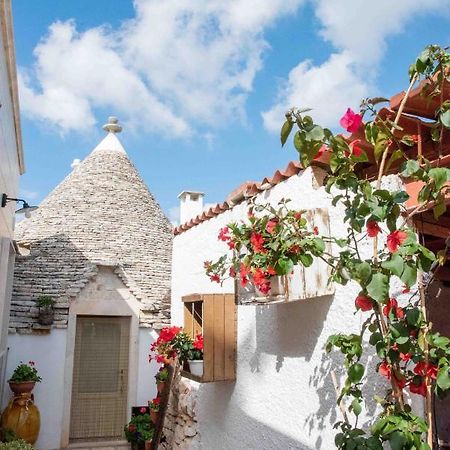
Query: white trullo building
{"type": "Point", "coordinates": [101, 246]}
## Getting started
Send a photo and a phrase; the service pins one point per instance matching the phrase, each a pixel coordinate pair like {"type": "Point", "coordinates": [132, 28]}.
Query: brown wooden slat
{"type": "Point", "coordinates": [208, 338]}
{"type": "Point", "coordinates": [230, 337]}
{"type": "Point", "coordinates": [219, 337]}
{"type": "Point", "coordinates": [192, 298]}
{"type": "Point", "coordinates": [188, 319]}
{"type": "Point", "coordinates": [432, 229]}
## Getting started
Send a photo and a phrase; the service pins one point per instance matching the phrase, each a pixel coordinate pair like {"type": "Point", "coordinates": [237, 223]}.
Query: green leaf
{"type": "Point", "coordinates": [380, 146]}
{"type": "Point", "coordinates": [284, 266]}
{"type": "Point", "coordinates": [443, 378]}
{"type": "Point", "coordinates": [409, 275]}
{"type": "Point", "coordinates": [400, 197]}
{"type": "Point", "coordinates": [356, 372]}
{"type": "Point", "coordinates": [439, 176]}
{"type": "Point", "coordinates": [396, 155]}
{"type": "Point", "coordinates": [440, 207]}
{"type": "Point", "coordinates": [306, 259]}
{"type": "Point", "coordinates": [413, 316]}
{"type": "Point", "coordinates": [364, 271]}
{"type": "Point", "coordinates": [395, 264]}
{"type": "Point", "coordinates": [356, 407]}
{"type": "Point", "coordinates": [410, 168]}
{"type": "Point", "coordinates": [315, 134]}
{"type": "Point", "coordinates": [445, 118]}
{"type": "Point", "coordinates": [378, 288]}
{"type": "Point", "coordinates": [285, 131]}
{"type": "Point", "coordinates": [397, 441]}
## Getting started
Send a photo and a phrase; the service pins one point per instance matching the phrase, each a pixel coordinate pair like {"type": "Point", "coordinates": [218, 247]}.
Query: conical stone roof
{"type": "Point", "coordinates": [101, 214]}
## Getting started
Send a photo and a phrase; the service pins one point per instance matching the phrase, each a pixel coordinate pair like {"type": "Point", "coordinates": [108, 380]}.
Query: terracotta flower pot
{"type": "Point", "coordinates": [21, 387]}
{"type": "Point", "coordinates": [160, 385]}
{"type": "Point", "coordinates": [154, 416]}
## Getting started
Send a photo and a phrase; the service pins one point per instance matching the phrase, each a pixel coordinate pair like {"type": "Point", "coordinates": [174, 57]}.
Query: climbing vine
{"type": "Point", "coordinates": [411, 356]}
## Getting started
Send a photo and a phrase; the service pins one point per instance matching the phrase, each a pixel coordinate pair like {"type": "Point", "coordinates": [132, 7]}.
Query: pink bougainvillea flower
{"type": "Point", "coordinates": [395, 240]}
{"type": "Point", "coordinates": [363, 303]}
{"type": "Point", "coordinates": [232, 272]}
{"type": "Point", "coordinates": [316, 231]}
{"type": "Point", "coordinates": [143, 410]}
{"type": "Point", "coordinates": [298, 215]}
{"type": "Point", "coordinates": [351, 121]}
{"type": "Point", "coordinates": [261, 281]}
{"type": "Point", "coordinates": [372, 228]}
{"type": "Point", "coordinates": [420, 389]}
{"type": "Point", "coordinates": [257, 242]}
{"type": "Point", "coordinates": [355, 147]}
{"type": "Point", "coordinates": [224, 234]}
{"type": "Point", "coordinates": [231, 244]}
{"type": "Point", "coordinates": [385, 370]}
{"type": "Point", "coordinates": [271, 225]}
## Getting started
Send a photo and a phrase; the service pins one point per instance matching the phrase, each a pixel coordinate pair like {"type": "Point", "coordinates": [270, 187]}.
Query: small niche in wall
{"type": "Point", "coordinates": [213, 315]}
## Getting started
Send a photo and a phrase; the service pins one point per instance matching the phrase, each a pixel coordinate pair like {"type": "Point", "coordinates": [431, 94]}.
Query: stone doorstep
{"type": "Point", "coordinates": [100, 445]}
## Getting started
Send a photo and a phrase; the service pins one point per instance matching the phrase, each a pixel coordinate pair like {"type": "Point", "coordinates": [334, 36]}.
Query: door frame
{"type": "Point", "coordinates": [128, 306]}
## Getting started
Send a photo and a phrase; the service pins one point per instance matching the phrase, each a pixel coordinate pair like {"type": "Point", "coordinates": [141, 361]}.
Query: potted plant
{"type": "Point", "coordinates": [46, 311]}
{"type": "Point", "coordinates": [138, 431]}
{"type": "Point", "coordinates": [154, 409]}
{"type": "Point", "coordinates": [195, 356]}
{"type": "Point", "coordinates": [162, 349]}
{"type": "Point", "coordinates": [161, 378]}
{"type": "Point", "coordinates": [24, 377]}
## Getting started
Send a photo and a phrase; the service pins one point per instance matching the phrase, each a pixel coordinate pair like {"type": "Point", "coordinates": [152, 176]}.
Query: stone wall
{"type": "Point", "coordinates": [180, 425]}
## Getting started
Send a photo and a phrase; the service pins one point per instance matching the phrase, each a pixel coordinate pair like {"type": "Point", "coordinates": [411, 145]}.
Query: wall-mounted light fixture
{"type": "Point", "coordinates": [26, 208]}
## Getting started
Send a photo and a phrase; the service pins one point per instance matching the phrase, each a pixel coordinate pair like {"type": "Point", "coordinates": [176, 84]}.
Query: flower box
{"type": "Point", "coordinates": [214, 315]}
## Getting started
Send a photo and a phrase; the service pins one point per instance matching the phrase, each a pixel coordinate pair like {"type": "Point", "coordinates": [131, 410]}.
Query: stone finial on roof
{"type": "Point", "coordinates": [113, 125]}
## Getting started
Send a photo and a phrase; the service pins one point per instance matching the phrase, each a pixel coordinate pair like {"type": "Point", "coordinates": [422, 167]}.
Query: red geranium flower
{"type": "Point", "coordinates": [385, 370]}
{"type": "Point", "coordinates": [168, 333]}
{"type": "Point", "coordinates": [271, 271]}
{"type": "Point", "coordinates": [271, 224]}
{"type": "Point", "coordinates": [198, 342]}
{"type": "Point", "coordinates": [316, 231]}
{"type": "Point", "coordinates": [257, 242]}
{"type": "Point", "coordinates": [363, 303]}
{"type": "Point", "coordinates": [424, 369]}
{"type": "Point", "coordinates": [420, 389]}
{"type": "Point", "coordinates": [372, 228]}
{"type": "Point", "coordinates": [405, 356]}
{"type": "Point", "coordinates": [351, 121]}
{"type": "Point", "coordinates": [395, 240]}
{"type": "Point", "coordinates": [215, 277]}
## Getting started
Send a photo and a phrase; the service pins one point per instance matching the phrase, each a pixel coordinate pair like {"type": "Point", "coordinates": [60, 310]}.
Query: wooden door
{"type": "Point", "coordinates": [100, 378]}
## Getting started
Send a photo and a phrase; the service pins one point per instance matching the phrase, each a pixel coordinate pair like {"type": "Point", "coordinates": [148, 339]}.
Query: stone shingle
{"type": "Point", "coordinates": [101, 214]}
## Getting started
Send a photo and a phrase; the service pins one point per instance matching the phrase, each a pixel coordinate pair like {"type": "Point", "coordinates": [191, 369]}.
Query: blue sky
{"type": "Point", "coordinates": [201, 85]}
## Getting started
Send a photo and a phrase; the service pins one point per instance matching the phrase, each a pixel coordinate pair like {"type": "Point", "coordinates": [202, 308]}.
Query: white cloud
{"type": "Point", "coordinates": [327, 89]}
{"type": "Point", "coordinates": [173, 66]}
{"type": "Point", "coordinates": [358, 30]}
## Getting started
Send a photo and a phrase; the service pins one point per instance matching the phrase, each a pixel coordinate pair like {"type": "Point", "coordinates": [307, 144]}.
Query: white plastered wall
{"type": "Point", "coordinates": [283, 397]}
{"type": "Point", "coordinates": [53, 354]}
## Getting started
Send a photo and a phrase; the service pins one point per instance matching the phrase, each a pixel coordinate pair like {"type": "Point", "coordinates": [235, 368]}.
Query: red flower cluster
{"type": "Point", "coordinates": [364, 303]}
{"type": "Point", "coordinates": [162, 347]}
{"type": "Point", "coordinates": [257, 241]}
{"type": "Point", "coordinates": [395, 240]}
{"type": "Point", "coordinates": [224, 235]}
{"type": "Point", "coordinates": [392, 306]}
{"type": "Point", "coordinates": [167, 334]}
{"type": "Point", "coordinates": [198, 342]}
{"type": "Point", "coordinates": [271, 225]}
{"type": "Point", "coordinates": [372, 228]}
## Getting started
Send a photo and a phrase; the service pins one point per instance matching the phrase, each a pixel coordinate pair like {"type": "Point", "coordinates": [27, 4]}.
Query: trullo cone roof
{"type": "Point", "coordinates": [101, 214]}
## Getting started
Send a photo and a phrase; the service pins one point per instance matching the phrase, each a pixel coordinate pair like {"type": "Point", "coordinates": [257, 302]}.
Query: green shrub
{"type": "Point", "coordinates": [19, 444]}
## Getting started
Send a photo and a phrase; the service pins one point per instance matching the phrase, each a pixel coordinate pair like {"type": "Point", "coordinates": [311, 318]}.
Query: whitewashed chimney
{"type": "Point", "coordinates": [191, 205]}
